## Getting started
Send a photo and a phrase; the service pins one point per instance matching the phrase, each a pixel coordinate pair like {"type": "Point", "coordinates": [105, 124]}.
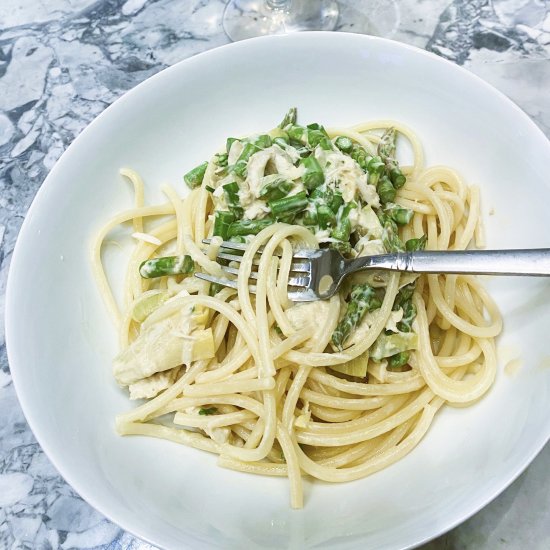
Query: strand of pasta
{"type": "Point", "coordinates": [97, 266]}
{"type": "Point", "coordinates": [456, 391]}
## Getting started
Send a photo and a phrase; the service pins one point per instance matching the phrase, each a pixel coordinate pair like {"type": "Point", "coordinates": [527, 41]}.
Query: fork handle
{"type": "Point", "coordinates": [534, 262]}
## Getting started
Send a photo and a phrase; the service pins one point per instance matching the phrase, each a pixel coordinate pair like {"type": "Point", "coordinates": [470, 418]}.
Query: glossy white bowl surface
{"type": "Point", "coordinates": [61, 341]}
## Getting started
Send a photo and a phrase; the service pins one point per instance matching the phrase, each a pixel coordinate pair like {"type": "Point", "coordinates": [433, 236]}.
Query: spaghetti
{"type": "Point", "coordinates": [334, 389]}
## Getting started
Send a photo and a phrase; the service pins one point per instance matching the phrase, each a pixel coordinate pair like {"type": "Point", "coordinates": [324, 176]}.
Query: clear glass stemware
{"type": "Point", "coordinates": [249, 18]}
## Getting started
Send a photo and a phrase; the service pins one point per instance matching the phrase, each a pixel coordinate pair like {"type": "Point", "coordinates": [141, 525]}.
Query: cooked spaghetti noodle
{"type": "Point", "coordinates": [285, 389]}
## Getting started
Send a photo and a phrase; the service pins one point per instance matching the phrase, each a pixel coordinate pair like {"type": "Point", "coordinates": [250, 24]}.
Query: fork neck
{"type": "Point", "coordinates": [400, 261]}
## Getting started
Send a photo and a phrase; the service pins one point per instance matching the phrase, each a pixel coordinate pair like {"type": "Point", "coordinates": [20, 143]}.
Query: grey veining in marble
{"type": "Point", "coordinates": [63, 61]}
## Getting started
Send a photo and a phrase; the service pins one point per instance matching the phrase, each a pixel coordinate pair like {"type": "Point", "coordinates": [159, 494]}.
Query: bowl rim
{"type": "Point", "coordinates": [10, 307]}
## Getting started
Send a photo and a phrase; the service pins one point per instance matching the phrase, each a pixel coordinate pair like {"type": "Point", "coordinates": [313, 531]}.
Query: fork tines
{"type": "Point", "coordinates": [301, 268]}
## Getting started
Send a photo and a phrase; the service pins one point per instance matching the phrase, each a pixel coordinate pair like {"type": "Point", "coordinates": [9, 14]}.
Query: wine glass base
{"type": "Point", "coordinates": [374, 17]}
{"type": "Point", "coordinates": [249, 18]}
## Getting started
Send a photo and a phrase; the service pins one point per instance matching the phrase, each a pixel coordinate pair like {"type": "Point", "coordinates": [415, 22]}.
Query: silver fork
{"type": "Point", "coordinates": [316, 274]}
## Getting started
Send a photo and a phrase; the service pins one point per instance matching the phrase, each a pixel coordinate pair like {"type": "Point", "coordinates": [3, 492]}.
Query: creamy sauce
{"type": "Point", "coordinates": [307, 313]}
{"type": "Point", "coordinates": [234, 152]}
{"type": "Point", "coordinates": [323, 236]}
{"type": "Point", "coordinates": [507, 353]}
{"type": "Point", "coordinates": [367, 222]}
{"type": "Point", "coordinates": [394, 318]}
{"type": "Point", "coordinates": [272, 158]}
{"type": "Point", "coordinates": [151, 386]}
{"type": "Point", "coordinates": [369, 248]}
{"type": "Point", "coordinates": [343, 171]}
{"type": "Point", "coordinates": [513, 366]}
{"type": "Point", "coordinates": [256, 209]}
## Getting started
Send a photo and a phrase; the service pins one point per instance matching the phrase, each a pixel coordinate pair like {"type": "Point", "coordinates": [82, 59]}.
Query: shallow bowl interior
{"type": "Point", "coordinates": [61, 341]}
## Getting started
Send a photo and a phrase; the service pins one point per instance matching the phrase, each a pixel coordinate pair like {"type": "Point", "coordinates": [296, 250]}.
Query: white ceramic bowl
{"type": "Point", "coordinates": [60, 339]}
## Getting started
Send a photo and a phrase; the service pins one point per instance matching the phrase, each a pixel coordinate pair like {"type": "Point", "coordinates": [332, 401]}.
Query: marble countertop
{"type": "Point", "coordinates": [63, 61]}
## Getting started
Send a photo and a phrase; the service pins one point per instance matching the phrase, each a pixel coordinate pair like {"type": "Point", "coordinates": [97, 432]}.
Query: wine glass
{"type": "Point", "coordinates": [249, 18]}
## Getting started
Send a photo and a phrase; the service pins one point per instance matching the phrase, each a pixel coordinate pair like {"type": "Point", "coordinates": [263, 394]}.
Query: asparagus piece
{"type": "Point", "coordinates": [359, 155]}
{"type": "Point", "coordinates": [222, 222]}
{"type": "Point", "coordinates": [310, 215]}
{"type": "Point", "coordinates": [275, 188]}
{"type": "Point", "coordinates": [290, 118]}
{"type": "Point", "coordinates": [399, 359]}
{"type": "Point", "coordinates": [405, 294]}
{"type": "Point", "coordinates": [341, 246]}
{"type": "Point", "coordinates": [326, 144]}
{"type": "Point", "coordinates": [390, 237]}
{"type": "Point", "coordinates": [221, 160]}
{"type": "Point", "coordinates": [326, 204]}
{"type": "Point", "coordinates": [399, 214]}
{"type": "Point", "coordinates": [289, 205]}
{"type": "Point", "coordinates": [336, 200]}
{"type": "Point", "coordinates": [310, 136]}
{"type": "Point", "coordinates": [321, 193]}
{"type": "Point", "coordinates": [416, 244]}
{"type": "Point", "coordinates": [231, 191]}
{"type": "Point", "coordinates": [248, 227]}
{"type": "Point", "coordinates": [403, 300]}
{"type": "Point", "coordinates": [166, 265]}
{"type": "Point", "coordinates": [214, 289]}
{"type": "Point", "coordinates": [297, 133]}
{"type": "Point", "coordinates": [409, 314]}
{"type": "Point", "coordinates": [229, 143]}
{"type": "Point", "coordinates": [194, 177]}
{"type": "Point", "coordinates": [344, 143]}
{"type": "Point", "coordinates": [375, 165]}
{"type": "Point", "coordinates": [240, 166]}
{"type": "Point", "coordinates": [369, 163]}
{"type": "Point", "coordinates": [342, 231]}
{"type": "Point", "coordinates": [317, 135]}
{"type": "Point", "coordinates": [386, 150]}
{"type": "Point", "coordinates": [206, 411]}
{"type": "Point", "coordinates": [385, 189]}
{"type": "Point", "coordinates": [363, 298]}
{"type": "Point", "coordinates": [281, 141]}
{"type": "Point", "coordinates": [263, 141]}
{"type": "Point", "coordinates": [287, 218]}
{"type": "Point", "coordinates": [313, 175]}
{"type": "Point", "coordinates": [387, 145]}
{"type": "Point", "coordinates": [396, 176]}
{"type": "Point", "coordinates": [325, 216]}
